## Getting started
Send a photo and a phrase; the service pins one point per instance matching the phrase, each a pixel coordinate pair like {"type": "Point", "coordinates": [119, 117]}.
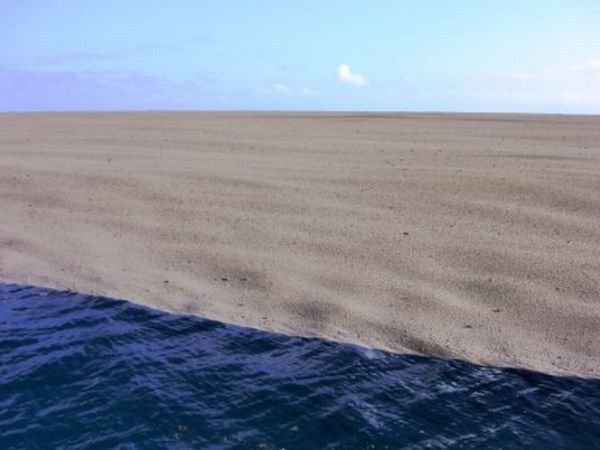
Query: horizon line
{"type": "Point", "coordinates": [296, 111]}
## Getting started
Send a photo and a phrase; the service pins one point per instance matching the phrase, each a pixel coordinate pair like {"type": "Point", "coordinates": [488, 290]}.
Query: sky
{"type": "Point", "coordinates": [411, 55]}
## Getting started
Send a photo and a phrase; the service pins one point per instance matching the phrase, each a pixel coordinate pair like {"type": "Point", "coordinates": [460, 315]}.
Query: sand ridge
{"type": "Point", "coordinates": [461, 235]}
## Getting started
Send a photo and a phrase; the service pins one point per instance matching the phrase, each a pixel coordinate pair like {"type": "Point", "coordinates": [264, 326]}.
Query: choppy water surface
{"type": "Point", "coordinates": [90, 372]}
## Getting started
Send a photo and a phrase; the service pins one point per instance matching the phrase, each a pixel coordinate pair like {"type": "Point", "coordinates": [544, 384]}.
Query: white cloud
{"type": "Point", "coordinates": [286, 90]}
{"type": "Point", "coordinates": [281, 88]}
{"type": "Point", "coordinates": [588, 66]}
{"type": "Point", "coordinates": [581, 84]}
{"type": "Point", "coordinates": [568, 88]}
{"type": "Point", "coordinates": [346, 75]}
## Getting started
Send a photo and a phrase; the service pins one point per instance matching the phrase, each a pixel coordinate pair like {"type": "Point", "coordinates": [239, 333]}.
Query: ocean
{"type": "Point", "coordinates": [81, 371]}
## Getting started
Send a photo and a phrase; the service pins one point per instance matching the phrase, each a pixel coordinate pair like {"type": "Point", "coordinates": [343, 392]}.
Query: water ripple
{"type": "Point", "coordinates": [89, 372]}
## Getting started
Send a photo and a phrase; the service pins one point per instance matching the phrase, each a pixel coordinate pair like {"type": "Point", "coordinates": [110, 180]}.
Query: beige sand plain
{"type": "Point", "coordinates": [469, 236]}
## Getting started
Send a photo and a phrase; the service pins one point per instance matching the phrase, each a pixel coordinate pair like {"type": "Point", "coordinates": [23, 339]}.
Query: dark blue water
{"type": "Point", "coordinates": [89, 372]}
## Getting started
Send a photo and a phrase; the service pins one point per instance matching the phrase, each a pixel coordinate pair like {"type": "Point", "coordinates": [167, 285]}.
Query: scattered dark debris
{"type": "Point", "coordinates": [496, 310]}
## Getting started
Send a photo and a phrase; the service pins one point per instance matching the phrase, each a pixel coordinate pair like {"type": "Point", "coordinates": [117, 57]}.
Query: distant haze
{"type": "Point", "coordinates": [461, 55]}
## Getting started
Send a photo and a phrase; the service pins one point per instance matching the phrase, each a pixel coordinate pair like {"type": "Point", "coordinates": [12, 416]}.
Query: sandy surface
{"type": "Point", "coordinates": [470, 236]}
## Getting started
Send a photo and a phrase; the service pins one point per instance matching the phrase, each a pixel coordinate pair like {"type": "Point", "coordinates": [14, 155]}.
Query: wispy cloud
{"type": "Point", "coordinates": [281, 88]}
{"type": "Point", "coordinates": [570, 88]}
{"type": "Point", "coordinates": [588, 66]}
{"type": "Point", "coordinates": [346, 75]}
{"type": "Point", "coordinates": [308, 92]}
{"type": "Point", "coordinates": [82, 57]}
{"type": "Point", "coordinates": [65, 59]}
{"type": "Point", "coordinates": [97, 90]}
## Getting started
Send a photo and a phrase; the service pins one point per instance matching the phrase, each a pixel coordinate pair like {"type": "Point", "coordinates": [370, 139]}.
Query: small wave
{"type": "Point", "coordinates": [82, 371]}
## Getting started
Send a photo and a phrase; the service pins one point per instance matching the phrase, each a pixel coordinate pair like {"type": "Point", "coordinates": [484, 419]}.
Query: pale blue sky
{"type": "Point", "coordinates": [452, 55]}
